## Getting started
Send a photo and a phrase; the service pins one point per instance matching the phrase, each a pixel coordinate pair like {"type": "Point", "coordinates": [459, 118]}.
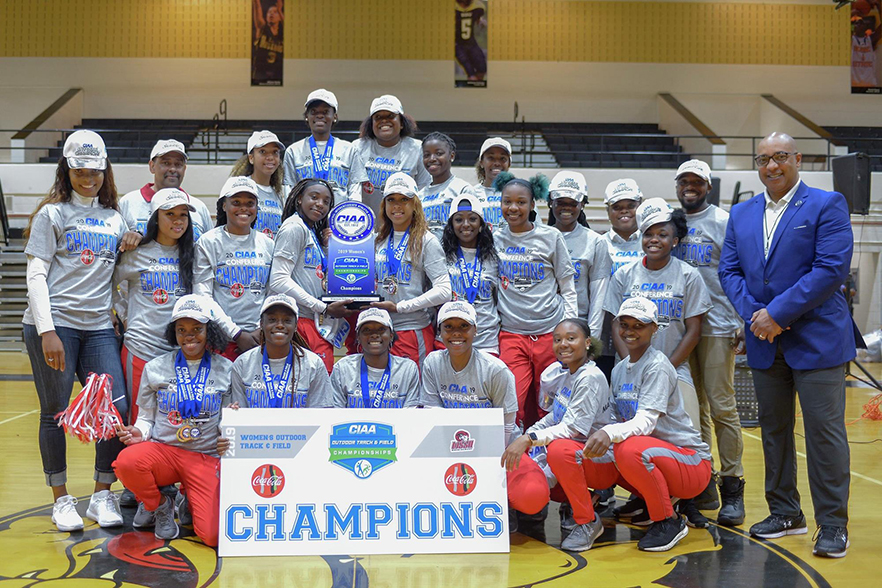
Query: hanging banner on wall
{"type": "Point", "coordinates": [267, 42]}
{"type": "Point", "coordinates": [866, 50]}
{"type": "Point", "coordinates": [470, 59]}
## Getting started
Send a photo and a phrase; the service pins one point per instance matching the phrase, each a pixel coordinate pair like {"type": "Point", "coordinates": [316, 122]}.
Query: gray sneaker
{"type": "Point", "coordinates": [583, 536]}
{"type": "Point", "coordinates": [567, 522]}
{"type": "Point", "coordinates": [166, 527]}
{"type": "Point", "coordinates": [182, 506]}
{"type": "Point", "coordinates": [143, 517]}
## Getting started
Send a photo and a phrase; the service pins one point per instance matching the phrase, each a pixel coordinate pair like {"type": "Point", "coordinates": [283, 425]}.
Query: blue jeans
{"type": "Point", "coordinates": [84, 352]}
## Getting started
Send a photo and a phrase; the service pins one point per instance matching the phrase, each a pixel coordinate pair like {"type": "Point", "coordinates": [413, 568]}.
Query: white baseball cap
{"type": "Point", "coordinates": [374, 315]}
{"type": "Point", "coordinates": [194, 306]}
{"type": "Point", "coordinates": [697, 167]}
{"type": "Point", "coordinates": [164, 146]}
{"type": "Point", "coordinates": [85, 150]}
{"type": "Point", "coordinates": [641, 308]}
{"type": "Point", "coordinates": [466, 202]}
{"type": "Point", "coordinates": [321, 95]}
{"type": "Point", "coordinates": [238, 184]}
{"type": "Point", "coordinates": [387, 102]}
{"type": "Point", "coordinates": [623, 189]}
{"type": "Point", "coordinates": [168, 198]}
{"type": "Point", "coordinates": [400, 183]}
{"type": "Point", "coordinates": [495, 142]}
{"type": "Point", "coordinates": [279, 300]}
{"type": "Point", "coordinates": [458, 309]}
{"type": "Point", "coordinates": [568, 184]}
{"type": "Point", "coordinates": [653, 211]}
{"type": "Point", "coordinates": [261, 138]}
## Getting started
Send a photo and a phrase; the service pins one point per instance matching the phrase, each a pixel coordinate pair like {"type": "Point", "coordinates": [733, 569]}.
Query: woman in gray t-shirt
{"type": "Point", "coordinates": [263, 164]}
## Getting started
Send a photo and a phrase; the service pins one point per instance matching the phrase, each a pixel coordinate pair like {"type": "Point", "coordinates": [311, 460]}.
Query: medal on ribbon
{"type": "Point", "coordinates": [319, 269]}
{"type": "Point", "coordinates": [382, 385]}
{"type": "Point", "coordinates": [321, 164]}
{"type": "Point", "coordinates": [189, 391]}
{"type": "Point", "coordinates": [276, 394]}
{"type": "Point", "coordinates": [470, 283]}
{"type": "Point", "coordinates": [394, 255]}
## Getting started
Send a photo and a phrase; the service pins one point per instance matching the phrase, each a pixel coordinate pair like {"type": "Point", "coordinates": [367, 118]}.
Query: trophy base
{"type": "Point", "coordinates": [358, 302]}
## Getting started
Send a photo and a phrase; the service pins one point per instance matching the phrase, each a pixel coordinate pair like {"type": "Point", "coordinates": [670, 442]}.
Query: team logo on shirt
{"type": "Point", "coordinates": [87, 257]}
{"type": "Point", "coordinates": [460, 479]}
{"type": "Point", "coordinates": [462, 441]}
{"type": "Point", "coordinates": [236, 290]}
{"type": "Point", "coordinates": [160, 296]}
{"type": "Point", "coordinates": [268, 480]}
{"type": "Point", "coordinates": [362, 447]}
{"type": "Point", "coordinates": [174, 418]}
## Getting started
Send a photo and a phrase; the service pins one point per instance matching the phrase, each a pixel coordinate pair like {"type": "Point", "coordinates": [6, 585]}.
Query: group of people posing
{"type": "Point", "coordinates": [483, 306]}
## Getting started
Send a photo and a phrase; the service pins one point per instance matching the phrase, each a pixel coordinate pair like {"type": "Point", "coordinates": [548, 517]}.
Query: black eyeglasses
{"type": "Point", "coordinates": [779, 157]}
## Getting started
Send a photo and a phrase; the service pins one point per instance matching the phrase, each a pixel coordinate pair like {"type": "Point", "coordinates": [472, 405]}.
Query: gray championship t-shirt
{"type": "Point", "coordinates": [298, 243]}
{"type": "Point", "coordinates": [412, 279]}
{"type": "Point", "coordinates": [492, 201]}
{"type": "Point", "coordinates": [678, 292]}
{"type": "Point", "coordinates": [623, 252]}
{"type": "Point", "coordinates": [530, 264]}
{"type": "Point", "coordinates": [299, 165]}
{"type": "Point", "coordinates": [374, 163]}
{"type": "Point", "coordinates": [581, 401]}
{"type": "Point", "coordinates": [436, 200]}
{"type": "Point", "coordinates": [486, 382]}
{"type": "Point", "coordinates": [153, 284]}
{"type": "Point", "coordinates": [135, 208]}
{"type": "Point", "coordinates": [269, 210]}
{"type": "Point", "coordinates": [309, 377]}
{"type": "Point", "coordinates": [487, 337]}
{"type": "Point", "coordinates": [651, 384]}
{"type": "Point", "coordinates": [591, 260]}
{"type": "Point", "coordinates": [234, 270]}
{"type": "Point", "coordinates": [158, 403]}
{"type": "Point", "coordinates": [80, 244]}
{"type": "Point", "coordinates": [403, 390]}
{"type": "Point", "coordinates": [701, 249]}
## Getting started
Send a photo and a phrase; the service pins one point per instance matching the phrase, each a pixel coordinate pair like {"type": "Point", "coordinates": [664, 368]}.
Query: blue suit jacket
{"type": "Point", "coordinates": [799, 284]}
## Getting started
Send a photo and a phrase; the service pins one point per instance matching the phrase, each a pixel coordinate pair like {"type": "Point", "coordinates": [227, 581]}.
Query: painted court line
{"type": "Point", "coordinates": [18, 416]}
{"type": "Point", "coordinates": [802, 455]}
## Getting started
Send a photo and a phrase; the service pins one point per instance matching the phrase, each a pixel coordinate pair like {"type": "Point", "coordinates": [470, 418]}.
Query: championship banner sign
{"type": "Point", "coordinates": [470, 44]}
{"type": "Point", "coordinates": [362, 481]}
{"type": "Point", "coordinates": [866, 51]}
{"type": "Point", "coordinates": [267, 42]}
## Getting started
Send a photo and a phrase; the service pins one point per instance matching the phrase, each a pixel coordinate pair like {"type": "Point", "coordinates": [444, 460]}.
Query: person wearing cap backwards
{"type": "Point", "coordinates": [262, 163]}
{"type": "Point", "coordinates": [72, 240]}
{"type": "Point", "coordinates": [786, 255]}
{"type": "Point", "coordinates": [712, 362]}
{"type": "Point", "coordinates": [657, 450]}
{"type": "Point", "coordinates": [322, 155]}
{"type": "Point", "coordinates": [495, 157]}
{"type": "Point", "coordinates": [386, 145]}
{"type": "Point", "coordinates": [536, 288]}
{"type": "Point", "coordinates": [682, 300]}
{"type": "Point", "coordinates": [375, 378]}
{"type": "Point", "coordinates": [461, 376]}
{"type": "Point", "coordinates": [407, 257]}
{"type": "Point", "coordinates": [233, 263]}
{"type": "Point", "coordinates": [300, 263]}
{"type": "Point", "coordinates": [175, 436]}
{"type": "Point", "coordinates": [472, 263]}
{"type": "Point", "coordinates": [439, 151]}
{"type": "Point", "coordinates": [568, 192]}
{"type": "Point", "coordinates": [168, 164]}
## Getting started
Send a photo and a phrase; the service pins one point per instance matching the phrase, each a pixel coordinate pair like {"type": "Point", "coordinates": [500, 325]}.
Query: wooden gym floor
{"type": "Point", "coordinates": [34, 553]}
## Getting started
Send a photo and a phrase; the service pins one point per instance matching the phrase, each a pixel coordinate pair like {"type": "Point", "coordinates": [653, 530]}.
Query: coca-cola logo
{"type": "Point", "coordinates": [460, 479]}
{"type": "Point", "coordinates": [268, 481]}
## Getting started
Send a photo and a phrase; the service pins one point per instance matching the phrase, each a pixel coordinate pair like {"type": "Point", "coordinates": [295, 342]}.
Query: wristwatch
{"type": "Point", "coordinates": [533, 438]}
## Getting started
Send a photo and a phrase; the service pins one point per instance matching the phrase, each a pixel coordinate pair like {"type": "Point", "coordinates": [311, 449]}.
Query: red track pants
{"type": "Point", "coordinates": [576, 474]}
{"type": "Point", "coordinates": [414, 345]}
{"type": "Point", "coordinates": [527, 356]}
{"type": "Point", "coordinates": [527, 487]}
{"type": "Point", "coordinates": [133, 368]}
{"type": "Point", "coordinates": [317, 344]}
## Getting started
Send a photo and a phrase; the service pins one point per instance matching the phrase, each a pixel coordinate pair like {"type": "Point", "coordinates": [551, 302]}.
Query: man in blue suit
{"type": "Point", "coordinates": [786, 254]}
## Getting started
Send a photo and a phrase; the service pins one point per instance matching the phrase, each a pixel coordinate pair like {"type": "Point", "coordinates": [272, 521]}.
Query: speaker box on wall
{"type": "Point", "coordinates": [851, 178]}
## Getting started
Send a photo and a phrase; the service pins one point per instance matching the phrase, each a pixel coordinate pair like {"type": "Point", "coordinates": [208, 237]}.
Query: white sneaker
{"type": "Point", "coordinates": [104, 509]}
{"type": "Point", "coordinates": [65, 516]}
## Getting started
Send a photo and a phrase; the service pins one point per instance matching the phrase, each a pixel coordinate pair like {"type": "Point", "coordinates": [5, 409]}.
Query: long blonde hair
{"type": "Point", "coordinates": [418, 229]}
{"type": "Point", "coordinates": [244, 167]}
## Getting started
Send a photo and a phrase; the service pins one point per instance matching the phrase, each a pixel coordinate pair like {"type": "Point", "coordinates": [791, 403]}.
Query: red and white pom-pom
{"type": "Point", "coordinates": [92, 415]}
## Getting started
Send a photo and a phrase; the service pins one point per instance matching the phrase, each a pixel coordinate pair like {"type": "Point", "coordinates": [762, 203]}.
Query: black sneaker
{"type": "Point", "coordinates": [605, 498]}
{"type": "Point", "coordinates": [533, 525]}
{"type": "Point", "coordinates": [633, 507]}
{"type": "Point", "coordinates": [663, 535]}
{"type": "Point", "coordinates": [709, 499]}
{"type": "Point", "coordinates": [693, 516]}
{"type": "Point", "coordinates": [732, 496]}
{"type": "Point", "coordinates": [641, 519]}
{"type": "Point", "coordinates": [512, 520]}
{"type": "Point", "coordinates": [127, 498]}
{"type": "Point", "coordinates": [774, 526]}
{"type": "Point", "coordinates": [831, 541]}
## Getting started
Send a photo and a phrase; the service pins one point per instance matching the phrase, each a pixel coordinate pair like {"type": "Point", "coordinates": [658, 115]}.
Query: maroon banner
{"type": "Point", "coordinates": [267, 42]}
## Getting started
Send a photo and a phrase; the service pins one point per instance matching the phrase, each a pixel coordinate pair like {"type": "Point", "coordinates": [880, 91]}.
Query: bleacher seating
{"type": "Point", "coordinates": [863, 139]}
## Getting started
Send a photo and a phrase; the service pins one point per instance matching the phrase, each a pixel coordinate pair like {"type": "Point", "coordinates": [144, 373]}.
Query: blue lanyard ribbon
{"type": "Point", "coordinates": [190, 391]}
{"type": "Point", "coordinates": [276, 395]}
{"type": "Point", "coordinates": [316, 243]}
{"type": "Point", "coordinates": [393, 258]}
{"type": "Point", "coordinates": [321, 164]}
{"type": "Point", "coordinates": [470, 283]}
{"type": "Point", "coordinates": [382, 386]}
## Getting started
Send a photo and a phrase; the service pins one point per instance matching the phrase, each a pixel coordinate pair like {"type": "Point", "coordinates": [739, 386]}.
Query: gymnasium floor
{"type": "Point", "coordinates": [33, 553]}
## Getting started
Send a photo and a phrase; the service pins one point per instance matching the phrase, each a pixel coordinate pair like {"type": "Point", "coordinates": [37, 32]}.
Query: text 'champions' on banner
{"type": "Point", "coordinates": [362, 481]}
{"type": "Point", "coordinates": [267, 42]}
{"type": "Point", "coordinates": [470, 44]}
{"type": "Point", "coordinates": [866, 50]}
